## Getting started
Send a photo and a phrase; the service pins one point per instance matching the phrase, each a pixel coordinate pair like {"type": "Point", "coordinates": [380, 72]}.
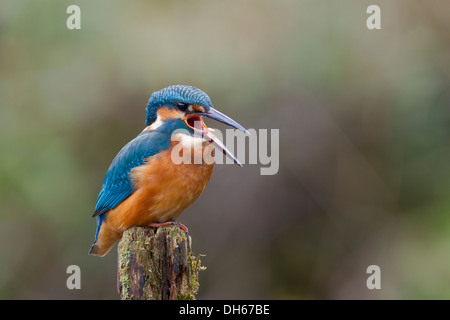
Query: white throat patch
{"type": "Point", "coordinates": [188, 140]}
{"type": "Point", "coordinates": [156, 124]}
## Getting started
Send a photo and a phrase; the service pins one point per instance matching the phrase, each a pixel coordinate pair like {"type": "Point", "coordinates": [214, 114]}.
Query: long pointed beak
{"type": "Point", "coordinates": [219, 116]}
{"type": "Point", "coordinates": [207, 133]}
{"type": "Point", "coordinates": [209, 136]}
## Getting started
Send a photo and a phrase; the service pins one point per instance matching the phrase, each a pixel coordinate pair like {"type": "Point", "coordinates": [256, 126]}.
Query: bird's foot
{"type": "Point", "coordinates": [169, 223]}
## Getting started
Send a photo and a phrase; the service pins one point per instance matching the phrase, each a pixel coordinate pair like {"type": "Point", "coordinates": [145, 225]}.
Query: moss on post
{"type": "Point", "coordinates": [157, 264]}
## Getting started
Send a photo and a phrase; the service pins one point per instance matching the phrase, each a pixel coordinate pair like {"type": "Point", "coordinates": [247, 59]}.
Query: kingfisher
{"type": "Point", "coordinates": [144, 186]}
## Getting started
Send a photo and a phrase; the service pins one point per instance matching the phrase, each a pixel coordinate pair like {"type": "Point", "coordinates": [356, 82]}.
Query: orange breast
{"type": "Point", "coordinates": [163, 191]}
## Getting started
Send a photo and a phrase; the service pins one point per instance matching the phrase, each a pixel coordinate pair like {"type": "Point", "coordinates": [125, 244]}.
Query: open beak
{"type": "Point", "coordinates": [219, 116]}
{"type": "Point", "coordinates": [195, 122]}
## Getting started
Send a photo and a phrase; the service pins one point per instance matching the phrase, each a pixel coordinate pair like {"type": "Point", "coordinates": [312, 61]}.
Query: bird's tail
{"type": "Point", "coordinates": [104, 240]}
{"type": "Point", "coordinates": [97, 250]}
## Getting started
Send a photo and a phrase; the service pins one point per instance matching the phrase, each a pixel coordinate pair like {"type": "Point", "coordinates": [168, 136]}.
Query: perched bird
{"type": "Point", "coordinates": [143, 185]}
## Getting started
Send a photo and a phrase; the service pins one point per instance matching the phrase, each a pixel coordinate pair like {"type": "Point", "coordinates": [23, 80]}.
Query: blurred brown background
{"type": "Point", "coordinates": [364, 141]}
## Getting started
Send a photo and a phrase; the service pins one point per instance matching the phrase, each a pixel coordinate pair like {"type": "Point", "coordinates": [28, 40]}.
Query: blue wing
{"type": "Point", "coordinates": [118, 185]}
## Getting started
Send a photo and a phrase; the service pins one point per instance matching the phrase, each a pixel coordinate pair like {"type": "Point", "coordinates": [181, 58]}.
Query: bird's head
{"type": "Point", "coordinates": [188, 104]}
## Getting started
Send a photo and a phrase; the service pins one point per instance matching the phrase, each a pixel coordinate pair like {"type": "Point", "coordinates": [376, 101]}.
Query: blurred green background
{"type": "Point", "coordinates": [364, 141]}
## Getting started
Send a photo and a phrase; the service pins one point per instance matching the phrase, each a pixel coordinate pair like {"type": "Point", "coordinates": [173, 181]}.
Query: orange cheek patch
{"type": "Point", "coordinates": [198, 108]}
{"type": "Point", "coordinates": [165, 113]}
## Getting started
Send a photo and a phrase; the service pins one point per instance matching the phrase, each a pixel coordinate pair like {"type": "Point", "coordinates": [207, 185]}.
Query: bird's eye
{"type": "Point", "coordinates": [182, 106]}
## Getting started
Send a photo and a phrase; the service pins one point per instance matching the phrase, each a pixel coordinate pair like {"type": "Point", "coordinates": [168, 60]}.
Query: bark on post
{"type": "Point", "coordinates": [157, 264]}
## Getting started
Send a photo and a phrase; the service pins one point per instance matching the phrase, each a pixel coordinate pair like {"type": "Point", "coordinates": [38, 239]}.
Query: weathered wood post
{"type": "Point", "coordinates": [157, 264]}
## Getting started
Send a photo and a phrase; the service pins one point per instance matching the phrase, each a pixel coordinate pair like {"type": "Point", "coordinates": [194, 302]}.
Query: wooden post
{"type": "Point", "coordinates": [157, 264]}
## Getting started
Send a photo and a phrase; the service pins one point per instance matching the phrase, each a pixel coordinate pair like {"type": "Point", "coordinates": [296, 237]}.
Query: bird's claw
{"type": "Point", "coordinates": [162, 224]}
{"type": "Point", "coordinates": [183, 227]}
